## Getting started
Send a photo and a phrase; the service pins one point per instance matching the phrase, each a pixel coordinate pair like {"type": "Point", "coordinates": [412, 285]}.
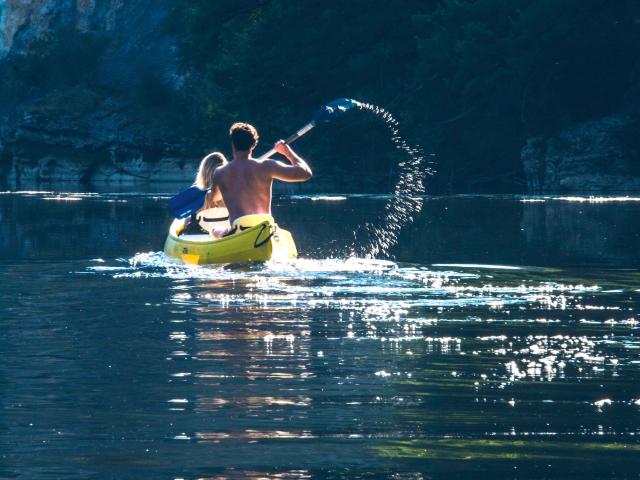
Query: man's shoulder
{"type": "Point", "coordinates": [264, 165]}
{"type": "Point", "coordinates": [219, 171]}
{"type": "Point", "coordinates": [271, 162]}
{"type": "Point", "coordinates": [265, 169]}
{"type": "Point", "coordinates": [260, 161]}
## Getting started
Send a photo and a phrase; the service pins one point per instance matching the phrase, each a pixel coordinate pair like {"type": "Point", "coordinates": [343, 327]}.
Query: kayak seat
{"type": "Point", "coordinates": [192, 227]}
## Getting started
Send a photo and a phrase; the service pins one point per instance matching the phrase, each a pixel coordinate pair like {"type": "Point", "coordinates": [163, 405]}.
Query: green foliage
{"type": "Point", "coordinates": [58, 76]}
{"type": "Point", "coordinates": [52, 77]}
{"type": "Point", "coordinates": [494, 72]}
{"type": "Point", "coordinates": [62, 59]}
{"type": "Point", "coordinates": [73, 101]}
{"type": "Point", "coordinates": [273, 63]}
{"type": "Point", "coordinates": [471, 79]}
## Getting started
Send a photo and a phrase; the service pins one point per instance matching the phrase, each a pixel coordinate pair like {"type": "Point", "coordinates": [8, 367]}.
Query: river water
{"type": "Point", "coordinates": [499, 338]}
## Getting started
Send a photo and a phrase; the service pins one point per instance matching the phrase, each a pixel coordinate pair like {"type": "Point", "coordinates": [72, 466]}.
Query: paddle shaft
{"type": "Point", "coordinates": [291, 139]}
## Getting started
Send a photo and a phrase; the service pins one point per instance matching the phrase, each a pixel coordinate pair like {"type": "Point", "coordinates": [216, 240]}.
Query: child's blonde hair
{"type": "Point", "coordinates": [204, 178]}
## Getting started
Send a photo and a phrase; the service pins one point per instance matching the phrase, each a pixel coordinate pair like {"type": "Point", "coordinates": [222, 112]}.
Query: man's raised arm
{"type": "Point", "coordinates": [298, 171]}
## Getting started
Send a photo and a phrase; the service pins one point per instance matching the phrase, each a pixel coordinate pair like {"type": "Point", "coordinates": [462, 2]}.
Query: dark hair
{"type": "Point", "coordinates": [243, 136]}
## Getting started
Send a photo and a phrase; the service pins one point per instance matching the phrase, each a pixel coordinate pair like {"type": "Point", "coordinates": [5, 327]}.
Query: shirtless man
{"type": "Point", "coordinates": [245, 182]}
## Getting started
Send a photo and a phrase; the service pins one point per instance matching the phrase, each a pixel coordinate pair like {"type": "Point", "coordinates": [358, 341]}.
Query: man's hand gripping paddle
{"type": "Point", "coordinates": [191, 200]}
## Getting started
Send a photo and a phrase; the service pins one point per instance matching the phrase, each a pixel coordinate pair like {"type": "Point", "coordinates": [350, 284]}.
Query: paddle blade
{"type": "Point", "coordinates": [334, 109]}
{"type": "Point", "coordinates": [187, 202]}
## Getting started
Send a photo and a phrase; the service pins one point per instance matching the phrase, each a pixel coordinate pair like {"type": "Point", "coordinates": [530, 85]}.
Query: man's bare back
{"type": "Point", "coordinates": [245, 182]}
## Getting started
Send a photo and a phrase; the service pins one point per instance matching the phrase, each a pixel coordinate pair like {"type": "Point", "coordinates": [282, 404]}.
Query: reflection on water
{"type": "Point", "coordinates": [120, 364]}
{"type": "Point", "coordinates": [543, 231]}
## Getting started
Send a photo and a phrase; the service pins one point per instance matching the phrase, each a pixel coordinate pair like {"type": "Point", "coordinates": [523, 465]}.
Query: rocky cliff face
{"type": "Point", "coordinates": [600, 156]}
{"type": "Point", "coordinates": [138, 43]}
{"type": "Point", "coordinates": [94, 147]}
{"type": "Point", "coordinates": [88, 130]}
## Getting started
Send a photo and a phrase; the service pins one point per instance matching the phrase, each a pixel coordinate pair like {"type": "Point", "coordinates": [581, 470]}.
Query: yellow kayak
{"type": "Point", "coordinates": [259, 243]}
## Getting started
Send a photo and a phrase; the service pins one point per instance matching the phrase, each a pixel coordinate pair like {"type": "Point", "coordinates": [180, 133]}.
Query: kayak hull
{"type": "Point", "coordinates": [261, 243]}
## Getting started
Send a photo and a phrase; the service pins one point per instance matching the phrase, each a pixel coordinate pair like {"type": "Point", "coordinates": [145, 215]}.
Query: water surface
{"type": "Point", "coordinates": [498, 338]}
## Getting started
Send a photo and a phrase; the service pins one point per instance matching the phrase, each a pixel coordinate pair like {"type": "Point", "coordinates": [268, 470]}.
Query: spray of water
{"type": "Point", "coordinates": [406, 201]}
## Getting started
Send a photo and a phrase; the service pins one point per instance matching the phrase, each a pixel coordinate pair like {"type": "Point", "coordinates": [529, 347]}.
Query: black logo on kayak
{"type": "Point", "coordinates": [185, 250]}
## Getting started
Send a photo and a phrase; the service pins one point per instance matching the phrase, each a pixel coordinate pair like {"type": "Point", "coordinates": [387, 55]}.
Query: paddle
{"type": "Point", "coordinates": [191, 200]}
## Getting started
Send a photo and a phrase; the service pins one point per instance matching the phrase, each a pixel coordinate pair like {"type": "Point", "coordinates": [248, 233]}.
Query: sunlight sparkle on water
{"type": "Point", "coordinates": [593, 199]}
{"type": "Point", "coordinates": [412, 312]}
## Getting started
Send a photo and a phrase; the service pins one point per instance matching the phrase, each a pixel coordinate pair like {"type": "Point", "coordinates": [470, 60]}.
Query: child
{"type": "Point", "coordinates": [204, 178]}
{"type": "Point", "coordinates": [213, 198]}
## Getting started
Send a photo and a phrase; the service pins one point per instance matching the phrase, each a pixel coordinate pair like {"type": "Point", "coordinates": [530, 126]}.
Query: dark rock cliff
{"type": "Point", "coordinates": [88, 127]}
{"type": "Point", "coordinates": [600, 156]}
{"type": "Point", "coordinates": [137, 40]}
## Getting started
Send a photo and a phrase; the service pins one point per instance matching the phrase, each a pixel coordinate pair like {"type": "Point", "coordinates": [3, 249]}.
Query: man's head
{"type": "Point", "coordinates": [244, 137]}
